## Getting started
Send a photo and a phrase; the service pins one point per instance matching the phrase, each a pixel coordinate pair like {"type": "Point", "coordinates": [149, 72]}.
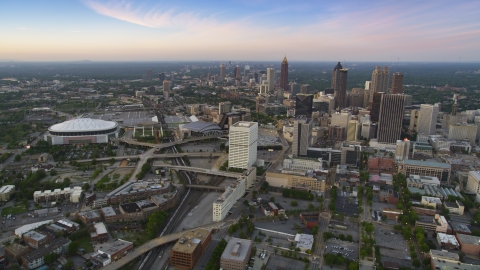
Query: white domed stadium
{"type": "Point", "coordinates": [82, 130]}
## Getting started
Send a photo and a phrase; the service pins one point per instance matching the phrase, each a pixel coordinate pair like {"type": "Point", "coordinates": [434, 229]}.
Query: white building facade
{"type": "Point", "coordinates": [225, 202]}
{"type": "Point", "coordinates": [243, 144]}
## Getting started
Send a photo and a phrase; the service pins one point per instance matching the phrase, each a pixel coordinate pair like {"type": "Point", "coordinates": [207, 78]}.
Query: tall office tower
{"type": "Point", "coordinates": [390, 118]}
{"type": "Point", "coordinates": [375, 111]}
{"type": "Point", "coordinates": [455, 104]}
{"type": "Point", "coordinates": [397, 83]}
{"type": "Point", "coordinates": [271, 79]}
{"type": "Point", "coordinates": [353, 130]}
{"type": "Point", "coordinates": [414, 117]}
{"type": "Point", "coordinates": [427, 120]}
{"type": "Point", "coordinates": [402, 150]}
{"type": "Point", "coordinates": [304, 105]}
{"type": "Point", "coordinates": [243, 144]}
{"type": "Point", "coordinates": [237, 74]}
{"type": "Point", "coordinates": [294, 89]}
{"type": "Point", "coordinates": [305, 89]}
{"type": "Point", "coordinates": [263, 78]}
{"type": "Point", "coordinates": [340, 119]}
{"type": "Point", "coordinates": [302, 135]}
{"type": "Point", "coordinates": [166, 89]}
{"type": "Point", "coordinates": [368, 85]}
{"type": "Point", "coordinates": [339, 85]}
{"type": "Point", "coordinates": [246, 70]}
{"type": "Point", "coordinates": [380, 80]}
{"type": "Point", "coordinates": [280, 95]}
{"type": "Point", "coordinates": [256, 77]}
{"type": "Point", "coordinates": [161, 76]}
{"type": "Point", "coordinates": [148, 75]}
{"type": "Point", "coordinates": [263, 88]}
{"type": "Point", "coordinates": [284, 74]}
{"type": "Point", "coordinates": [224, 107]}
{"type": "Point", "coordinates": [222, 73]}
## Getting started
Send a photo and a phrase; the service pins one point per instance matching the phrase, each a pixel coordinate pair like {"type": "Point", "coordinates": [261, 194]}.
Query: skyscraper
{"type": "Point", "coordinates": [375, 111]}
{"type": "Point", "coordinates": [280, 95]}
{"type": "Point", "coordinates": [222, 73]}
{"type": "Point", "coordinates": [380, 80]}
{"type": "Point", "coordinates": [271, 78]}
{"type": "Point", "coordinates": [284, 74]}
{"type": "Point", "coordinates": [294, 89]}
{"type": "Point", "coordinates": [390, 118]}
{"type": "Point", "coordinates": [427, 119]}
{"type": "Point", "coordinates": [242, 151]}
{"type": "Point", "coordinates": [302, 135]}
{"type": "Point", "coordinates": [304, 105]}
{"type": "Point", "coordinates": [339, 85]}
{"type": "Point", "coordinates": [166, 89]}
{"type": "Point", "coordinates": [397, 83]}
{"type": "Point", "coordinates": [237, 74]}
{"type": "Point", "coordinates": [263, 90]}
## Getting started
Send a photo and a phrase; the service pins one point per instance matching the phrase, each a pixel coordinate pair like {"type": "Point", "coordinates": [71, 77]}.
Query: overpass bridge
{"type": "Point", "coordinates": [155, 243]}
{"type": "Point", "coordinates": [205, 187]}
{"type": "Point", "coordinates": [158, 156]}
{"type": "Point", "coordinates": [201, 170]}
{"type": "Point", "coordinates": [164, 145]}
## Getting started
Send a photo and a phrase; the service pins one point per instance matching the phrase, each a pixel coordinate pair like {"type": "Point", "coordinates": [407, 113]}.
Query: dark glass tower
{"type": "Point", "coordinates": [284, 74]}
{"type": "Point", "coordinates": [339, 85]}
{"type": "Point", "coordinates": [303, 105]}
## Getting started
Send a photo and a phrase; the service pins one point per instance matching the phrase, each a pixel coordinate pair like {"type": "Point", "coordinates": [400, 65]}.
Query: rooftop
{"type": "Point", "coordinates": [190, 240]}
{"type": "Point", "coordinates": [89, 214]}
{"type": "Point", "coordinates": [244, 124]}
{"type": "Point", "coordinates": [39, 253]}
{"type": "Point", "coordinates": [304, 241]}
{"type": "Point", "coordinates": [100, 228]}
{"type": "Point", "coordinates": [459, 227]}
{"type": "Point", "coordinates": [108, 211]}
{"type": "Point", "coordinates": [431, 200]}
{"type": "Point", "coordinates": [83, 124]}
{"type": "Point", "coordinates": [427, 164]}
{"type": "Point", "coordinates": [34, 235]}
{"type": "Point", "coordinates": [444, 254]}
{"type": "Point", "coordinates": [469, 239]}
{"type": "Point", "coordinates": [114, 247]}
{"type": "Point", "coordinates": [131, 207]}
{"type": "Point", "coordinates": [448, 239]}
{"type": "Point", "coordinates": [237, 249]}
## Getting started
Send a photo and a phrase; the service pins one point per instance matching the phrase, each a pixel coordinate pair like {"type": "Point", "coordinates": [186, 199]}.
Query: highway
{"type": "Point", "coordinates": [153, 155]}
{"type": "Point", "coordinates": [155, 243]}
{"type": "Point", "coordinates": [201, 170]}
{"type": "Point", "coordinates": [166, 145]}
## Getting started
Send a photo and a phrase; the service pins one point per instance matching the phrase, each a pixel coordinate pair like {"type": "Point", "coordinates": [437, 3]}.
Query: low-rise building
{"type": "Point", "coordinates": [68, 225]}
{"type": "Point", "coordinates": [58, 194]}
{"type": "Point", "coordinates": [304, 241]}
{"type": "Point", "coordinates": [236, 254]}
{"type": "Point", "coordinates": [36, 258]}
{"type": "Point", "coordinates": [436, 224]}
{"type": "Point", "coordinates": [189, 248]}
{"type": "Point", "coordinates": [88, 217]}
{"type": "Point", "coordinates": [459, 228]}
{"type": "Point", "coordinates": [116, 250]}
{"type": "Point", "coordinates": [309, 219]}
{"type": "Point", "coordinates": [426, 168]}
{"type": "Point", "coordinates": [297, 179]}
{"type": "Point", "coordinates": [419, 181]}
{"type": "Point", "coordinates": [447, 241]}
{"type": "Point", "coordinates": [225, 202]}
{"type": "Point", "coordinates": [390, 196]}
{"type": "Point", "coordinates": [100, 234]}
{"type": "Point", "coordinates": [6, 192]}
{"type": "Point", "coordinates": [440, 259]}
{"type": "Point", "coordinates": [431, 202]}
{"type": "Point", "coordinates": [391, 213]}
{"type": "Point", "coordinates": [35, 239]}
{"type": "Point", "coordinates": [16, 251]}
{"type": "Point", "coordinates": [469, 244]}
{"type": "Point", "coordinates": [456, 207]}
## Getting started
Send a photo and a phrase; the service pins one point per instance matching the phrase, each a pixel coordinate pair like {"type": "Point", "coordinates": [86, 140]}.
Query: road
{"type": "Point", "coordinates": [19, 152]}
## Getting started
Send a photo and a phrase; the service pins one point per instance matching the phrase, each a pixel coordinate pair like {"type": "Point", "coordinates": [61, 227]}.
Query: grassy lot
{"type": "Point", "coordinates": [18, 208]}
{"type": "Point", "coordinates": [137, 238]}
{"type": "Point", "coordinates": [85, 243]}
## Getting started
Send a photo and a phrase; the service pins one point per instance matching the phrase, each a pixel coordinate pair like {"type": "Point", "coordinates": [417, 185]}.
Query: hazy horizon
{"type": "Point", "coordinates": [148, 30]}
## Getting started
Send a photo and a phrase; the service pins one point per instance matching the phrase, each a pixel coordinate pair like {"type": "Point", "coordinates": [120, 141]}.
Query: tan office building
{"type": "Point", "coordinates": [236, 254]}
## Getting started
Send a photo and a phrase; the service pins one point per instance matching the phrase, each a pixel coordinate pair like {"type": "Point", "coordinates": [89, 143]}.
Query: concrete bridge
{"type": "Point", "coordinates": [164, 145]}
{"type": "Point", "coordinates": [158, 156]}
{"type": "Point", "coordinates": [201, 170]}
{"type": "Point", "coordinates": [205, 187]}
{"type": "Point", "coordinates": [155, 243]}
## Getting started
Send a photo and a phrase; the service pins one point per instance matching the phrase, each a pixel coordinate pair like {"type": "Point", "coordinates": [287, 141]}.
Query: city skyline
{"type": "Point", "coordinates": [256, 30]}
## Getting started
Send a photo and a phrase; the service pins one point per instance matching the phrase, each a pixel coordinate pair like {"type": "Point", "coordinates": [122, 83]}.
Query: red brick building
{"type": "Point", "coordinates": [309, 219]}
{"type": "Point", "coordinates": [189, 248]}
{"type": "Point", "coordinates": [380, 164]}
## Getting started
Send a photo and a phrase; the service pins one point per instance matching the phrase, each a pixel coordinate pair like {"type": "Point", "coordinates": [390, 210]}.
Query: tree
{"type": "Point", "coordinates": [315, 230]}
{"type": "Point", "coordinates": [311, 206]}
{"type": "Point", "coordinates": [73, 247]}
{"type": "Point", "coordinates": [349, 238]}
{"type": "Point", "coordinates": [68, 264]}
{"type": "Point", "coordinates": [363, 253]}
{"type": "Point", "coordinates": [53, 172]}
{"type": "Point", "coordinates": [353, 266]}
{"type": "Point", "coordinates": [293, 203]}
{"type": "Point", "coordinates": [155, 221]}
{"type": "Point", "coordinates": [272, 199]}
{"type": "Point", "coordinates": [416, 263]}
{"type": "Point", "coordinates": [18, 158]}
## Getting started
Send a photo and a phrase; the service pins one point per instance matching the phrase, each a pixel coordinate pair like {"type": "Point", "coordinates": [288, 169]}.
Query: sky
{"type": "Point", "coordinates": [240, 30]}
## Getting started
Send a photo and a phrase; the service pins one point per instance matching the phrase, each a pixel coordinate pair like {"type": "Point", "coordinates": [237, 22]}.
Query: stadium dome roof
{"type": "Point", "coordinates": [83, 124]}
{"type": "Point", "coordinates": [201, 126]}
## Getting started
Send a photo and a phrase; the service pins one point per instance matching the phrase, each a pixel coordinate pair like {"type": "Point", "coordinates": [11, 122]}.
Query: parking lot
{"type": "Point", "coordinates": [392, 245]}
{"type": "Point", "coordinates": [346, 205]}
{"type": "Point", "coordinates": [346, 249]}
{"type": "Point", "coordinates": [278, 262]}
